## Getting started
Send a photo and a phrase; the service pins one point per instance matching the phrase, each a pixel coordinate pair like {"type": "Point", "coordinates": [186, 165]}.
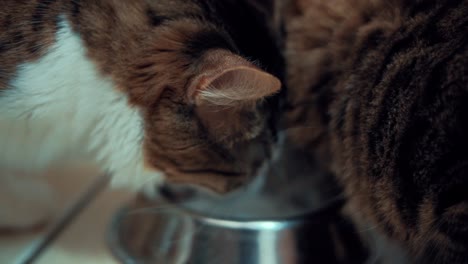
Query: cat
{"type": "Point", "coordinates": [149, 91]}
{"type": "Point", "coordinates": [378, 92]}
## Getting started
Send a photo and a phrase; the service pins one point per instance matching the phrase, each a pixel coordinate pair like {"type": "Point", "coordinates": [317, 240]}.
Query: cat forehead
{"type": "Point", "coordinates": [209, 34]}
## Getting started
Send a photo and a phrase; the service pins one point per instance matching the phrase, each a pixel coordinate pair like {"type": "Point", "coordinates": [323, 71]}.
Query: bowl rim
{"type": "Point", "coordinates": [327, 210]}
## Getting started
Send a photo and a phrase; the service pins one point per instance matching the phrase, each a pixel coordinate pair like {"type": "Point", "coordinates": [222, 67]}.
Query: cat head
{"type": "Point", "coordinates": [202, 105]}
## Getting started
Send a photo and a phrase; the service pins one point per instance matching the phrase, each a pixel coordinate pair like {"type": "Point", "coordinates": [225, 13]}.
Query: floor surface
{"type": "Point", "coordinates": [84, 240]}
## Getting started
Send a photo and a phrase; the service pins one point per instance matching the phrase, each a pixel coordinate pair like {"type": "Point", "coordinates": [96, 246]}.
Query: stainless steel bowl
{"type": "Point", "coordinates": [179, 235]}
{"type": "Point", "coordinates": [276, 220]}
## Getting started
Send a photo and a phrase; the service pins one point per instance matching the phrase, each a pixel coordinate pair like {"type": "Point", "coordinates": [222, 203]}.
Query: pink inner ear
{"type": "Point", "coordinates": [241, 84]}
{"type": "Point", "coordinates": [227, 78]}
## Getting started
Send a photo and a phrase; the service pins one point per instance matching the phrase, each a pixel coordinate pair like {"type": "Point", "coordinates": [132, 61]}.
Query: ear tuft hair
{"type": "Point", "coordinates": [227, 79]}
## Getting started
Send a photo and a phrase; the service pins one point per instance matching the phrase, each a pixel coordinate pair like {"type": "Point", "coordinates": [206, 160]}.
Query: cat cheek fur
{"type": "Point", "coordinates": [193, 130]}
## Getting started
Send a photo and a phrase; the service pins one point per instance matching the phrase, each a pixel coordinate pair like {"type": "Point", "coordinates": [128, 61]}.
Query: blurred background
{"type": "Point", "coordinates": [83, 242]}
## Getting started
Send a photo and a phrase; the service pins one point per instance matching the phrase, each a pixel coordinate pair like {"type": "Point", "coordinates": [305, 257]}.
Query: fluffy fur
{"type": "Point", "coordinates": [380, 89]}
{"type": "Point", "coordinates": [135, 87]}
{"type": "Point", "coordinates": [64, 87]}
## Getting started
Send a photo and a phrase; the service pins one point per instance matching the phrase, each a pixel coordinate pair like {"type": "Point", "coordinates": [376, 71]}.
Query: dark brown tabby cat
{"type": "Point", "coordinates": [148, 90]}
{"type": "Point", "coordinates": [382, 89]}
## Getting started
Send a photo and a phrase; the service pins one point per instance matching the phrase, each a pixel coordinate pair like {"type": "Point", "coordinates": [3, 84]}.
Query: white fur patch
{"type": "Point", "coordinates": [60, 107]}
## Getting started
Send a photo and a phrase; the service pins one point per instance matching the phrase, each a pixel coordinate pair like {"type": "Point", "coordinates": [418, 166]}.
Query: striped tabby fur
{"type": "Point", "coordinates": [382, 89]}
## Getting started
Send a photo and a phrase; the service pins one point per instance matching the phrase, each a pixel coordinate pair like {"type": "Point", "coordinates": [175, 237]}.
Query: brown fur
{"type": "Point", "coordinates": [155, 51]}
{"type": "Point", "coordinates": [21, 39]}
{"type": "Point", "coordinates": [382, 89]}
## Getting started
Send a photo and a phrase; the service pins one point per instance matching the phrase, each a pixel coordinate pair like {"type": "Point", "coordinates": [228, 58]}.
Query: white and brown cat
{"type": "Point", "coordinates": [147, 90]}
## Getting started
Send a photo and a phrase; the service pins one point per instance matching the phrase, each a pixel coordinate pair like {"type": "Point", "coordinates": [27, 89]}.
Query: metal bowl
{"type": "Point", "coordinates": [289, 215]}
{"type": "Point", "coordinates": [175, 235]}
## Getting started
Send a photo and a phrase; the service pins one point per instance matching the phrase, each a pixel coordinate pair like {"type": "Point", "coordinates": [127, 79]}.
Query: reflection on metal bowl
{"type": "Point", "coordinates": [289, 214]}
{"type": "Point", "coordinates": [170, 234]}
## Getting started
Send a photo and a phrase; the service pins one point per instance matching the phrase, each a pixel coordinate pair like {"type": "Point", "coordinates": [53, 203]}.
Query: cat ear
{"type": "Point", "coordinates": [227, 79]}
{"type": "Point", "coordinates": [225, 93]}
